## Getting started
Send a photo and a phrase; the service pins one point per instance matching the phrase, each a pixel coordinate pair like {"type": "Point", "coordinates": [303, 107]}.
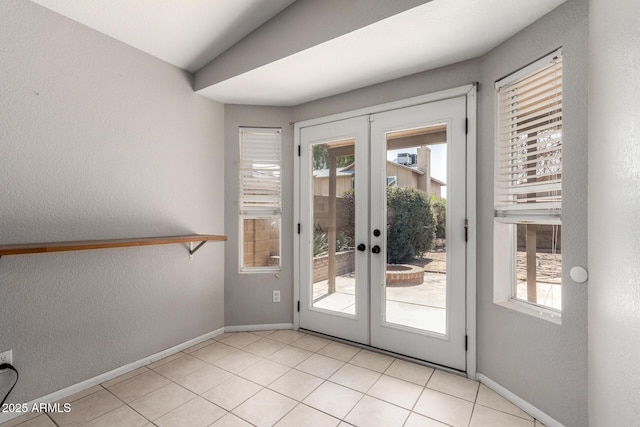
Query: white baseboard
{"type": "Point", "coordinates": [81, 386]}
{"type": "Point", "coordinates": [265, 327]}
{"type": "Point", "coordinates": [519, 402]}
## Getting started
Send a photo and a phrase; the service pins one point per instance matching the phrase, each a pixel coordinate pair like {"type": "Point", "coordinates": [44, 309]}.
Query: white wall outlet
{"type": "Point", "coordinates": [6, 357]}
{"type": "Point", "coordinates": [276, 296]}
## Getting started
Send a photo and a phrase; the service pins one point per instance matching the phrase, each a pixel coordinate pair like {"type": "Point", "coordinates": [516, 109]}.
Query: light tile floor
{"type": "Point", "coordinates": [284, 378]}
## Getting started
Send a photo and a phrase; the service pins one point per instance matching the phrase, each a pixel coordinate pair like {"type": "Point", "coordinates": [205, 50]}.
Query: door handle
{"type": "Point", "coordinates": [362, 247]}
{"type": "Point", "coordinates": [375, 249]}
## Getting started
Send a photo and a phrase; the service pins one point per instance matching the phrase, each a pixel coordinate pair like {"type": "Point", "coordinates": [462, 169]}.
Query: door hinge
{"type": "Point", "coordinates": [298, 228]}
{"type": "Point", "coordinates": [298, 306]}
{"type": "Point", "coordinates": [466, 230]}
{"type": "Point", "coordinates": [466, 126]}
{"type": "Point", "coordinates": [299, 151]}
{"type": "Point", "coordinates": [466, 342]}
{"type": "Point", "coordinates": [371, 118]}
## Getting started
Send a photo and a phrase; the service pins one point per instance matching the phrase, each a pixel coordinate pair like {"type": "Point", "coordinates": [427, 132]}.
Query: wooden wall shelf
{"type": "Point", "coordinates": [35, 248]}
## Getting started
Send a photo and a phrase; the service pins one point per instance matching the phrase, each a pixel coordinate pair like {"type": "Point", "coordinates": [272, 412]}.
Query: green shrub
{"type": "Point", "coordinates": [439, 208]}
{"type": "Point", "coordinates": [349, 205]}
{"type": "Point", "coordinates": [410, 224]}
{"type": "Point", "coordinates": [321, 241]}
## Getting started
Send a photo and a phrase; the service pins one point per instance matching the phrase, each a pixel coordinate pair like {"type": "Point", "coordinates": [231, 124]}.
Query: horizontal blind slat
{"type": "Point", "coordinates": [525, 105]}
{"type": "Point", "coordinates": [551, 73]}
{"type": "Point", "coordinates": [520, 126]}
{"type": "Point", "coordinates": [550, 143]}
{"type": "Point", "coordinates": [505, 186]}
{"type": "Point", "coordinates": [510, 135]}
{"type": "Point", "coordinates": [555, 206]}
{"type": "Point", "coordinates": [524, 94]}
{"type": "Point", "coordinates": [518, 171]}
{"type": "Point", "coordinates": [521, 117]}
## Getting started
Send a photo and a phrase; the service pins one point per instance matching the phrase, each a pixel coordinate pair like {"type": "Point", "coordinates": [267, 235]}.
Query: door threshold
{"type": "Point", "coordinates": [387, 353]}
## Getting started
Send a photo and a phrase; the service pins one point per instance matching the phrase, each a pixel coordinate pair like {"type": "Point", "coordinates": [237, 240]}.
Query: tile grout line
{"type": "Point", "coordinates": [50, 419]}
{"type": "Point", "coordinates": [365, 393]}
{"type": "Point", "coordinates": [126, 404]}
{"type": "Point", "coordinates": [90, 394]}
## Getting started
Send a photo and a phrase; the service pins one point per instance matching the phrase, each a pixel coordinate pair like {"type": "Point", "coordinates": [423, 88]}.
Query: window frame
{"type": "Point", "coordinates": [505, 221]}
{"type": "Point", "coordinates": [256, 213]}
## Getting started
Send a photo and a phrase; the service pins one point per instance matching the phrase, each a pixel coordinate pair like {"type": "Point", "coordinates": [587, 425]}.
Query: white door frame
{"type": "Point", "coordinates": [470, 91]}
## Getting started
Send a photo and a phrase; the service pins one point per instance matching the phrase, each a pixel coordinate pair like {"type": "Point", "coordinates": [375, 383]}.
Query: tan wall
{"type": "Point", "coordinates": [406, 178]}
{"type": "Point", "coordinates": [321, 185]}
{"type": "Point", "coordinates": [321, 213]}
{"type": "Point", "coordinates": [260, 242]}
{"type": "Point", "coordinates": [345, 263]}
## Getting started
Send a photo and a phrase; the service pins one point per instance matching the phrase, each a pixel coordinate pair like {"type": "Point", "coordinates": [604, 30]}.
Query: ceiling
{"type": "Point", "coordinates": [185, 33]}
{"type": "Point", "coordinates": [190, 34]}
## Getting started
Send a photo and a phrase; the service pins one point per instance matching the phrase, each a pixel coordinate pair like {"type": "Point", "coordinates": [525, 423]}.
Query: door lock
{"type": "Point", "coordinates": [375, 249]}
{"type": "Point", "coordinates": [362, 247]}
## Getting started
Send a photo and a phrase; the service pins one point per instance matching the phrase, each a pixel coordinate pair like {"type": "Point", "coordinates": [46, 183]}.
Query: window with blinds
{"type": "Point", "coordinates": [528, 189]}
{"type": "Point", "coordinates": [260, 198]}
{"type": "Point", "coordinates": [529, 163]}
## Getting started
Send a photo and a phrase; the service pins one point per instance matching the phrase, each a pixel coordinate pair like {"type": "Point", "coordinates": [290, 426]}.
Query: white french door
{"type": "Point", "coordinates": [426, 321]}
{"type": "Point", "coordinates": [334, 298]}
{"type": "Point", "coordinates": [382, 230]}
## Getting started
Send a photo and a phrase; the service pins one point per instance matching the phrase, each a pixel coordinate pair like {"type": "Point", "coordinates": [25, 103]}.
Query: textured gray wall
{"type": "Point", "coordinates": [98, 141]}
{"type": "Point", "coordinates": [544, 363]}
{"type": "Point", "coordinates": [248, 296]}
{"type": "Point", "coordinates": [418, 84]}
{"type": "Point", "coordinates": [614, 203]}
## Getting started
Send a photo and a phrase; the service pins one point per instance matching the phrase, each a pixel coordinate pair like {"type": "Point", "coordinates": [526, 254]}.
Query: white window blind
{"type": "Point", "coordinates": [260, 175]}
{"type": "Point", "coordinates": [529, 161]}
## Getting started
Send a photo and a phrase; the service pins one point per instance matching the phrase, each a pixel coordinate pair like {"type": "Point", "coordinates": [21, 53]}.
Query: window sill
{"type": "Point", "coordinates": [256, 270]}
{"type": "Point", "coordinates": [540, 313]}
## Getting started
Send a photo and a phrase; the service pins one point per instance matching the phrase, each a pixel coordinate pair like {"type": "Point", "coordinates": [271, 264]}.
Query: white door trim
{"type": "Point", "coordinates": [394, 105]}
{"type": "Point", "coordinates": [472, 120]}
{"type": "Point", "coordinates": [470, 91]}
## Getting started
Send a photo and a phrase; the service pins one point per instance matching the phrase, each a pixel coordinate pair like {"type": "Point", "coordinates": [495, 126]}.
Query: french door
{"type": "Point", "coordinates": [382, 234]}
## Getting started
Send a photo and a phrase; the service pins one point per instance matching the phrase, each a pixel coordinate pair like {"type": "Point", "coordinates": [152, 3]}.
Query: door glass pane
{"type": "Point", "coordinates": [416, 273]}
{"type": "Point", "coordinates": [333, 270]}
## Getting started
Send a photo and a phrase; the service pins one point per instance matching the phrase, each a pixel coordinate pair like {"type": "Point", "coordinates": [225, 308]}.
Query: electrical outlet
{"type": "Point", "coordinates": [276, 296]}
{"type": "Point", "coordinates": [6, 357]}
